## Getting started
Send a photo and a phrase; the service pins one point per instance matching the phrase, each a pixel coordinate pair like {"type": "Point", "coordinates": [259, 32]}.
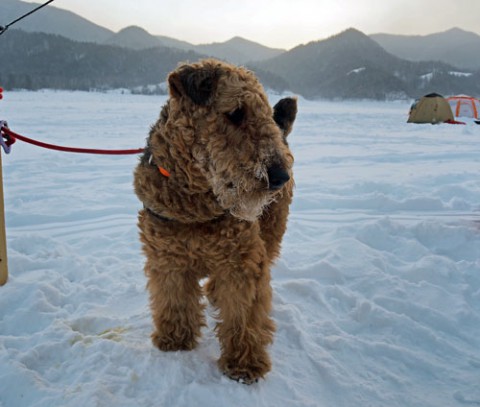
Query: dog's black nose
{"type": "Point", "coordinates": [277, 176]}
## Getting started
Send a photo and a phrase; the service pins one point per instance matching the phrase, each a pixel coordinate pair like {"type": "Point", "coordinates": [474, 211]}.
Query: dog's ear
{"type": "Point", "coordinates": [284, 114]}
{"type": "Point", "coordinates": [198, 84]}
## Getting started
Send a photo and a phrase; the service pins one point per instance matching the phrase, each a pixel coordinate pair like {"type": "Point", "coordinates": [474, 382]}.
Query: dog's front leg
{"type": "Point", "coordinates": [177, 312]}
{"type": "Point", "coordinates": [239, 287]}
{"type": "Point", "coordinates": [173, 285]}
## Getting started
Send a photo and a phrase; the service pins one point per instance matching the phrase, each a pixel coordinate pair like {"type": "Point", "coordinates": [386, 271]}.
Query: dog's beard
{"type": "Point", "coordinates": [245, 199]}
{"type": "Point", "coordinates": [252, 208]}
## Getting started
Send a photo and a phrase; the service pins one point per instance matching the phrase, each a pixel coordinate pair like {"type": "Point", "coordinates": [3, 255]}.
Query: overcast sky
{"type": "Point", "coordinates": [277, 23]}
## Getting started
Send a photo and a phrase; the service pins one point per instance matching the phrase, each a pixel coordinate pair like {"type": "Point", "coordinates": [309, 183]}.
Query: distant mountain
{"type": "Point", "coordinates": [236, 50]}
{"type": "Point", "coordinates": [239, 51]}
{"type": "Point", "coordinates": [349, 65]}
{"type": "Point", "coordinates": [456, 47]}
{"type": "Point", "coordinates": [174, 43]}
{"type": "Point", "coordinates": [38, 60]}
{"type": "Point", "coordinates": [352, 65]}
{"type": "Point", "coordinates": [337, 67]}
{"type": "Point", "coordinates": [52, 20]}
{"type": "Point", "coordinates": [82, 55]}
{"type": "Point", "coordinates": [135, 38]}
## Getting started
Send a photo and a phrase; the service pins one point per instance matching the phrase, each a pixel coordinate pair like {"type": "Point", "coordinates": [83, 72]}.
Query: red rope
{"type": "Point", "coordinates": [13, 135]}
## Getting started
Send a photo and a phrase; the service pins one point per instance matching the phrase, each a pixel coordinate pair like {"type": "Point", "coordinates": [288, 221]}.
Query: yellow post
{"type": "Point", "coordinates": [3, 234]}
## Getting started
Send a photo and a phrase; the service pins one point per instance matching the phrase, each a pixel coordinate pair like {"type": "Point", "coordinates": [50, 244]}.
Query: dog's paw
{"type": "Point", "coordinates": [245, 374]}
{"type": "Point", "coordinates": [241, 378]}
{"type": "Point", "coordinates": [169, 344]}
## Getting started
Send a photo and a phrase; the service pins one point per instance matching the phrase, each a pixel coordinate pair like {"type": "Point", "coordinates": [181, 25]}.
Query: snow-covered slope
{"type": "Point", "coordinates": [376, 295]}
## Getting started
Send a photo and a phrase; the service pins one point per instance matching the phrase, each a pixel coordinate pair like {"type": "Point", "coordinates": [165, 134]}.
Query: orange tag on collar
{"type": "Point", "coordinates": [163, 171]}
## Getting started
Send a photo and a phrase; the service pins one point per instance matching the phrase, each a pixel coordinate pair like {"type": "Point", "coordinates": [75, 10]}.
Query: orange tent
{"type": "Point", "coordinates": [465, 106]}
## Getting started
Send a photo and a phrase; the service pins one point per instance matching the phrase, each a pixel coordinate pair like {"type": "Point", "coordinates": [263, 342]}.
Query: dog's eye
{"type": "Point", "coordinates": [236, 116]}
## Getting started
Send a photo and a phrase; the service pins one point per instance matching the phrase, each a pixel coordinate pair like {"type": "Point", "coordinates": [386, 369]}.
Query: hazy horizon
{"type": "Point", "coordinates": [281, 25]}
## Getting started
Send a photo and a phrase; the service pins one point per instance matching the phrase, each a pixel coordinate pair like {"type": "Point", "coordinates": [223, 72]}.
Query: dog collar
{"type": "Point", "coordinates": [157, 215]}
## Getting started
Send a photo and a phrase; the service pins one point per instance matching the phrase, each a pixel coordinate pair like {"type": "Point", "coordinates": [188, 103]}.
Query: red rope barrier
{"type": "Point", "coordinates": [14, 136]}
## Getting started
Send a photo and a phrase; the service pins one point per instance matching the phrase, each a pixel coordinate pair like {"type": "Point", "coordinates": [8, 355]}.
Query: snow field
{"type": "Point", "coordinates": [376, 295]}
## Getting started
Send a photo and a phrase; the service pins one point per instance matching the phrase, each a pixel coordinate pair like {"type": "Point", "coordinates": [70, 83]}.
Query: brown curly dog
{"type": "Point", "coordinates": [216, 183]}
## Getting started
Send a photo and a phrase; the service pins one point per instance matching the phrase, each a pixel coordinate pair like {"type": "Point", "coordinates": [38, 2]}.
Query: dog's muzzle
{"type": "Point", "coordinates": [277, 177]}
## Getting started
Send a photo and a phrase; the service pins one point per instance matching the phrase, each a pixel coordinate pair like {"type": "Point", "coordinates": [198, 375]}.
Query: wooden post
{"type": "Point", "coordinates": [3, 234]}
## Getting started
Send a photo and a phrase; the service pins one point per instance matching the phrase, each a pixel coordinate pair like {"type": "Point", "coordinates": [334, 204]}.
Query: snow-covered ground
{"type": "Point", "coordinates": [376, 295]}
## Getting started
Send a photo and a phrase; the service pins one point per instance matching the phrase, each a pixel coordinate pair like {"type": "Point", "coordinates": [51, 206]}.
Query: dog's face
{"type": "Point", "coordinates": [236, 140]}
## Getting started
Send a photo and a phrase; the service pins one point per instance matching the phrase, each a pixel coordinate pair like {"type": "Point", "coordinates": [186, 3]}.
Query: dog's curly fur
{"type": "Point", "coordinates": [220, 211]}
